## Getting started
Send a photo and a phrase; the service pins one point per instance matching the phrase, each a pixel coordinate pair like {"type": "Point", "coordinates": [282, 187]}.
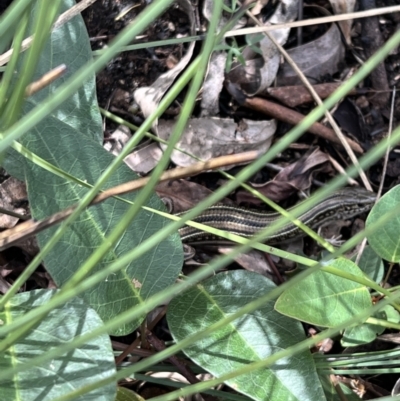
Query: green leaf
{"type": "Point", "coordinates": [124, 394]}
{"type": "Point", "coordinates": [367, 332]}
{"type": "Point", "coordinates": [331, 393]}
{"type": "Point", "coordinates": [69, 140]}
{"type": "Point", "coordinates": [362, 334]}
{"type": "Point", "coordinates": [389, 313]}
{"type": "Point", "coordinates": [68, 45]}
{"type": "Point", "coordinates": [371, 264]}
{"type": "Point", "coordinates": [385, 240]}
{"type": "Point", "coordinates": [324, 299]}
{"type": "Point", "coordinates": [248, 339]}
{"type": "Point", "coordinates": [91, 362]}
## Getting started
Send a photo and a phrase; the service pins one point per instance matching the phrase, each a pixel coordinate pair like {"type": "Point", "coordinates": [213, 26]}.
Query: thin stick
{"type": "Point", "coordinates": [290, 116]}
{"type": "Point", "coordinates": [32, 227]}
{"type": "Point", "coordinates": [314, 21]}
{"type": "Point", "coordinates": [45, 80]}
{"type": "Point", "coordinates": [345, 143]}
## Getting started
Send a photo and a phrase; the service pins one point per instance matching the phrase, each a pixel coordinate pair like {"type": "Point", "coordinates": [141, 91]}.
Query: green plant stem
{"type": "Point", "coordinates": [357, 359]}
{"type": "Point", "coordinates": [157, 43]}
{"type": "Point", "coordinates": [383, 323]}
{"type": "Point", "coordinates": [11, 66]}
{"type": "Point", "coordinates": [10, 19]}
{"type": "Point", "coordinates": [367, 371]}
{"type": "Point", "coordinates": [46, 13]}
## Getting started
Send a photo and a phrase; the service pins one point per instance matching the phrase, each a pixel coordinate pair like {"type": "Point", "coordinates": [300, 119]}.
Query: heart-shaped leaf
{"type": "Point", "coordinates": [68, 138]}
{"type": "Point", "coordinates": [324, 299]}
{"type": "Point", "coordinates": [385, 240]}
{"type": "Point", "coordinates": [371, 264]}
{"type": "Point", "coordinates": [248, 339]}
{"type": "Point", "coordinates": [87, 364]}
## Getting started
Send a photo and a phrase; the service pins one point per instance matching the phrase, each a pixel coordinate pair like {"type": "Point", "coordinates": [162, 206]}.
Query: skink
{"type": "Point", "coordinates": [340, 205]}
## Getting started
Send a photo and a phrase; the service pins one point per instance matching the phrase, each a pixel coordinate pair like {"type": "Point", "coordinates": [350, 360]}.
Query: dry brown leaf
{"type": "Point", "coordinates": [12, 194]}
{"type": "Point", "coordinates": [211, 137]}
{"type": "Point", "coordinates": [148, 98]}
{"type": "Point", "coordinates": [296, 176]}
{"type": "Point", "coordinates": [117, 140]}
{"type": "Point", "coordinates": [315, 59]}
{"type": "Point", "coordinates": [260, 71]}
{"type": "Point", "coordinates": [145, 159]}
{"type": "Point", "coordinates": [296, 95]}
{"type": "Point", "coordinates": [253, 261]}
{"type": "Point", "coordinates": [214, 80]}
{"type": "Point", "coordinates": [344, 7]}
